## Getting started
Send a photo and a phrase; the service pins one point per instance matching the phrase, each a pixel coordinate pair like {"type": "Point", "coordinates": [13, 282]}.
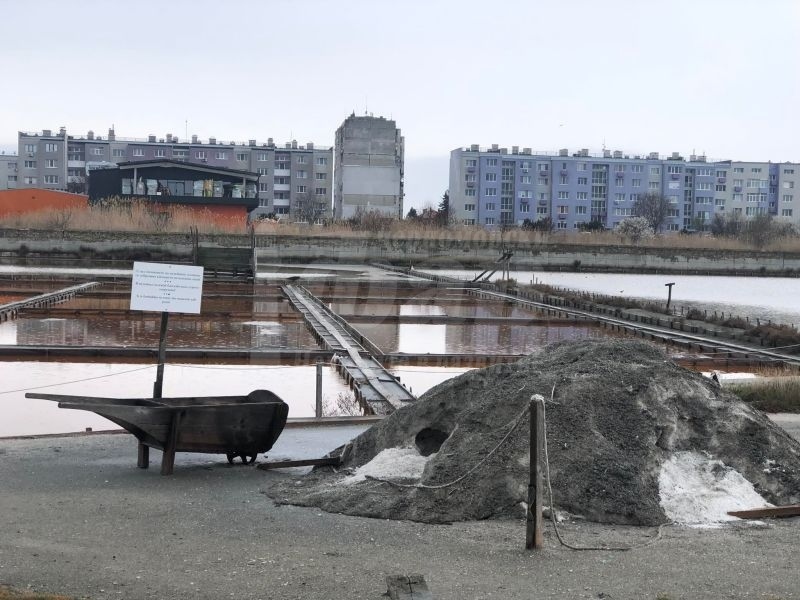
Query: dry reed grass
{"type": "Point", "coordinates": [7, 593]}
{"type": "Point", "coordinates": [141, 216]}
{"type": "Point", "coordinates": [136, 216]}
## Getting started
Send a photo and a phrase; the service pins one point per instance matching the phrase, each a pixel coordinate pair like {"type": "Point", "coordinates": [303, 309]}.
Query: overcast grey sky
{"type": "Point", "coordinates": [714, 76]}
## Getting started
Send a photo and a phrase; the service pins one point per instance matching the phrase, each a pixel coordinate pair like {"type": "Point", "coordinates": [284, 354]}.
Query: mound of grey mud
{"type": "Point", "coordinates": [619, 410]}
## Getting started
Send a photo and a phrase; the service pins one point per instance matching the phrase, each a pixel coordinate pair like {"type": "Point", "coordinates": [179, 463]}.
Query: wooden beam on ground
{"type": "Point", "coordinates": [768, 512]}
{"type": "Point", "coordinates": [407, 587]}
{"type": "Point", "coordinates": [332, 461]}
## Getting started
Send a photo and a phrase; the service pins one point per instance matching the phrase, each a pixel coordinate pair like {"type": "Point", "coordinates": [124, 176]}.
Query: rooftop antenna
{"type": "Point", "coordinates": [604, 143]}
{"type": "Point", "coordinates": [186, 129]}
{"type": "Point", "coordinates": [366, 105]}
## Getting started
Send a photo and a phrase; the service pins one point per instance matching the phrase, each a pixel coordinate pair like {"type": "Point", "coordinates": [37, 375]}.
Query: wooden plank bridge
{"type": "Point", "coordinates": [377, 390]}
{"type": "Point", "coordinates": [10, 310]}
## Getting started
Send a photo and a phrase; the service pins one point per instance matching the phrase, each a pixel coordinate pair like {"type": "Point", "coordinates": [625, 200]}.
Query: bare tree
{"type": "Point", "coordinates": [308, 208]}
{"type": "Point", "coordinates": [653, 207]}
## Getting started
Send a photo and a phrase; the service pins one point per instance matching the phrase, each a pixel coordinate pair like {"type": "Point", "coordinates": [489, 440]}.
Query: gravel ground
{"type": "Point", "coordinates": [78, 517]}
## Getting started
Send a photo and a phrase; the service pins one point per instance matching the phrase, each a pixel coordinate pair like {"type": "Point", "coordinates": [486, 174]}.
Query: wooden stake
{"type": "Point", "coordinates": [533, 533]}
{"type": "Point", "coordinates": [318, 410]}
{"type": "Point", "coordinates": [162, 354]}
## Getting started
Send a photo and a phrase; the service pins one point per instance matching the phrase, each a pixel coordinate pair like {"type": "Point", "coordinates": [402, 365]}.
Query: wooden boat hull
{"type": "Point", "coordinates": [232, 425]}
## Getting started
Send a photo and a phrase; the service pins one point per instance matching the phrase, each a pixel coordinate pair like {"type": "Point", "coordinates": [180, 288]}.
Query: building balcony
{"type": "Point", "coordinates": [620, 174]}
{"type": "Point", "coordinates": [562, 217]}
{"type": "Point", "coordinates": [542, 202]}
{"type": "Point", "coordinates": [720, 180]}
{"type": "Point", "coordinates": [470, 184]}
{"type": "Point", "coordinates": [564, 172]}
{"type": "Point", "coordinates": [282, 187]}
{"type": "Point", "coordinates": [675, 176]}
{"type": "Point", "coordinates": [470, 169]}
{"type": "Point", "coordinates": [282, 172]}
{"type": "Point", "coordinates": [737, 188]}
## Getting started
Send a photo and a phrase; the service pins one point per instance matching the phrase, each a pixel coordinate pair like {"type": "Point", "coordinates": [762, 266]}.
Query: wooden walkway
{"type": "Point", "coordinates": [10, 310]}
{"type": "Point", "coordinates": [377, 390]}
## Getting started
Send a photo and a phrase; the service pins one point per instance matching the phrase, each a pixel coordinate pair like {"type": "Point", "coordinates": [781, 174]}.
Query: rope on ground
{"type": "Point", "coordinates": [550, 495]}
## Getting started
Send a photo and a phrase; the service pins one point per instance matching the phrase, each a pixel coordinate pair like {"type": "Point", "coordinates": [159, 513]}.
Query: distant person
{"type": "Point", "coordinates": [715, 377]}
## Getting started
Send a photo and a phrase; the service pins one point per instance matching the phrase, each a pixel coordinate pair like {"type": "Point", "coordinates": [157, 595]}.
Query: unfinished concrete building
{"type": "Point", "coordinates": [368, 168]}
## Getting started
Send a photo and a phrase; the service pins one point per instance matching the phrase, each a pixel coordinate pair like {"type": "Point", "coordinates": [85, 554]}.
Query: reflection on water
{"type": "Point", "coordinates": [22, 416]}
{"type": "Point", "coordinates": [468, 308]}
{"type": "Point", "coordinates": [104, 332]}
{"type": "Point", "coordinates": [421, 379]}
{"type": "Point", "coordinates": [755, 297]}
{"type": "Point", "coordinates": [473, 339]}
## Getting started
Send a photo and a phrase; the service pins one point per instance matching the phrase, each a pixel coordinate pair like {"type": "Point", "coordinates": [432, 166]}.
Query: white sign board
{"type": "Point", "coordinates": [166, 288]}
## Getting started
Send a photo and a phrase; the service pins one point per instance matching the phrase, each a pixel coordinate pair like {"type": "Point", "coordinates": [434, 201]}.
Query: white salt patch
{"type": "Point", "coordinates": [392, 463]}
{"type": "Point", "coordinates": [696, 490]}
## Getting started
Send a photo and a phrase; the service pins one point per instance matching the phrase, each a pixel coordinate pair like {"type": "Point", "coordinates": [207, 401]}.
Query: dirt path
{"type": "Point", "coordinates": [77, 517]}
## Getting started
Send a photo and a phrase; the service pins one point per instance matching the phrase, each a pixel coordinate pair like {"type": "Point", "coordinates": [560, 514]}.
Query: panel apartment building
{"type": "Point", "coordinates": [290, 175]}
{"type": "Point", "coordinates": [492, 186]}
{"type": "Point", "coordinates": [369, 167]}
{"type": "Point", "coordinates": [8, 171]}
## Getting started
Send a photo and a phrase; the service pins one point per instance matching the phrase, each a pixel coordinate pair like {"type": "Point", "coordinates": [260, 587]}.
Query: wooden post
{"type": "Point", "coordinates": [669, 292]}
{"type": "Point", "coordinates": [143, 460]}
{"type": "Point", "coordinates": [533, 533]}
{"type": "Point", "coordinates": [318, 411]}
{"type": "Point", "coordinates": [168, 459]}
{"type": "Point", "coordinates": [162, 353]}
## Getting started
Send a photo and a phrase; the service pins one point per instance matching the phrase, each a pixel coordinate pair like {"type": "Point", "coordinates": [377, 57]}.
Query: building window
{"type": "Point", "coordinates": [703, 185]}
{"type": "Point", "coordinates": [98, 151]}
{"type": "Point", "coordinates": [738, 169]}
{"type": "Point", "coordinates": [262, 187]}
{"type": "Point", "coordinates": [490, 192]}
{"type": "Point", "coordinates": [525, 179]}
{"type": "Point", "coordinates": [787, 198]}
{"type": "Point", "coordinates": [720, 187]}
{"type": "Point", "coordinates": [674, 170]}
{"type": "Point", "coordinates": [469, 221]}
{"type": "Point", "coordinates": [322, 161]}
{"type": "Point", "coordinates": [583, 181]}
{"type": "Point", "coordinates": [138, 151]}
{"type": "Point", "coordinates": [636, 183]}
{"type": "Point", "coordinates": [491, 176]}
{"type": "Point", "coordinates": [704, 172]}
{"type": "Point", "coordinates": [619, 198]}
{"type": "Point", "coordinates": [241, 156]}
{"type": "Point", "coordinates": [180, 153]}
{"type": "Point", "coordinates": [118, 153]}
{"type": "Point", "coordinates": [563, 195]}
{"type": "Point", "coordinates": [262, 156]}
{"type": "Point", "coordinates": [491, 206]}
{"type": "Point", "coordinates": [301, 174]}
{"type": "Point", "coordinates": [655, 170]}
{"type": "Point", "coordinates": [637, 168]}
{"type": "Point", "coordinates": [281, 181]}
{"type": "Point", "coordinates": [160, 153]}
{"type": "Point", "coordinates": [30, 180]}
{"type": "Point", "coordinates": [543, 168]}
{"type": "Point", "coordinates": [30, 164]}
{"type": "Point", "coordinates": [719, 202]}
{"type": "Point", "coordinates": [654, 185]}
{"type": "Point", "coordinates": [51, 147]}
{"type": "Point", "coordinates": [321, 191]}
{"type": "Point", "coordinates": [301, 160]}
{"type": "Point", "coordinates": [50, 163]}
{"type": "Point", "coordinates": [491, 162]}
{"type": "Point", "coordinates": [541, 181]}
{"type": "Point", "coordinates": [469, 207]}
{"type": "Point", "coordinates": [633, 197]}
{"type": "Point", "coordinates": [786, 212]}
{"type": "Point", "coordinates": [469, 192]}
{"type": "Point", "coordinates": [722, 174]}
{"type": "Point", "coordinates": [262, 171]}
{"type": "Point", "coordinates": [30, 148]}
{"type": "Point", "coordinates": [737, 197]}
{"type": "Point", "coordinates": [738, 182]}
{"type": "Point", "coordinates": [320, 176]}
{"type": "Point", "coordinates": [788, 185]}
{"type": "Point", "coordinates": [52, 179]}
{"type": "Point", "coordinates": [221, 155]}
{"type": "Point", "coordinates": [563, 180]}
{"type": "Point", "coordinates": [524, 207]}
{"type": "Point", "coordinates": [563, 210]}
{"type": "Point", "coordinates": [301, 189]}
{"type": "Point", "coordinates": [582, 195]}
{"type": "Point", "coordinates": [580, 210]}
{"type": "Point", "coordinates": [200, 154]}
{"type": "Point", "coordinates": [755, 169]}
{"type": "Point", "coordinates": [489, 221]}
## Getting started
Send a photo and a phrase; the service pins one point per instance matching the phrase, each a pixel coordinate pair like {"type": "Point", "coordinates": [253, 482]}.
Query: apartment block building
{"type": "Point", "coordinates": [492, 186]}
{"type": "Point", "coordinates": [291, 175]}
{"type": "Point", "coordinates": [369, 167]}
{"type": "Point", "coordinates": [8, 171]}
